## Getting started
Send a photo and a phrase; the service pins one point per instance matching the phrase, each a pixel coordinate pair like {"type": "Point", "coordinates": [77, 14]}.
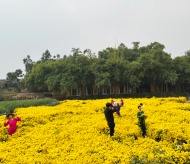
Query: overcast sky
{"type": "Point", "coordinates": [29, 27]}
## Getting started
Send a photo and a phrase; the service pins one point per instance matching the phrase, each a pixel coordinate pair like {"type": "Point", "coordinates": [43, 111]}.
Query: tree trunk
{"type": "Point", "coordinates": [183, 87]}
{"type": "Point", "coordinates": [116, 89]}
{"type": "Point", "coordinates": [166, 87]}
{"type": "Point", "coordinates": [134, 89]}
{"type": "Point", "coordinates": [157, 88]}
{"type": "Point", "coordinates": [152, 89]}
{"type": "Point", "coordinates": [162, 88]}
{"type": "Point", "coordinates": [83, 91]}
{"type": "Point", "coordinates": [68, 93]}
{"type": "Point", "coordinates": [178, 88]}
{"type": "Point", "coordinates": [95, 91]}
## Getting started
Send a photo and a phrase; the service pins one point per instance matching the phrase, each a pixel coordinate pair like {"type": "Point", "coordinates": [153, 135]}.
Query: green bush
{"type": "Point", "coordinates": [3, 110]}
{"type": "Point", "coordinates": [9, 106]}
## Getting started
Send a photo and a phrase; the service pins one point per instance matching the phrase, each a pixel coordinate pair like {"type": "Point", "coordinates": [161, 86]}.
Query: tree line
{"type": "Point", "coordinates": [143, 69]}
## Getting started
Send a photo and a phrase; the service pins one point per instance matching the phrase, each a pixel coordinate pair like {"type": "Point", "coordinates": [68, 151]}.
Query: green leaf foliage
{"type": "Point", "coordinates": [148, 66]}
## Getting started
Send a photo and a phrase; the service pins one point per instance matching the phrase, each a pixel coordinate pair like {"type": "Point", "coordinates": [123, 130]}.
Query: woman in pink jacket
{"type": "Point", "coordinates": [12, 121]}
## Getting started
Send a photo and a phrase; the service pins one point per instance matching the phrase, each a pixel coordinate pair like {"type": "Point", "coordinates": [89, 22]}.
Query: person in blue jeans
{"type": "Point", "coordinates": [109, 117]}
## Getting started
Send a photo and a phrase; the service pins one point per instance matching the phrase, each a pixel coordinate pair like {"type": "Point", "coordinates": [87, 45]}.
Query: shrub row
{"type": "Point", "coordinates": [9, 106]}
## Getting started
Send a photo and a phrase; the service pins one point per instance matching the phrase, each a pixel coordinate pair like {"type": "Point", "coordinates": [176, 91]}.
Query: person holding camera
{"type": "Point", "coordinates": [109, 117]}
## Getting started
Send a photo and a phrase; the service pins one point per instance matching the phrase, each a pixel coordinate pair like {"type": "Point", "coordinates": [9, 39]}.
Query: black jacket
{"type": "Point", "coordinates": [109, 115]}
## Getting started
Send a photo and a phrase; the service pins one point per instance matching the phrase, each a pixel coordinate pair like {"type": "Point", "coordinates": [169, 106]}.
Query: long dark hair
{"type": "Point", "coordinates": [7, 116]}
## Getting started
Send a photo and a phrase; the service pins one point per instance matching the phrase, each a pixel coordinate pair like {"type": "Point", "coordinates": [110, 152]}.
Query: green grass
{"type": "Point", "coordinates": [9, 106]}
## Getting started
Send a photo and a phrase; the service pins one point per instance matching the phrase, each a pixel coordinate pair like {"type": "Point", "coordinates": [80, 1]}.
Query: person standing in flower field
{"type": "Point", "coordinates": [109, 117]}
{"type": "Point", "coordinates": [116, 107]}
{"type": "Point", "coordinates": [141, 117]}
{"type": "Point", "coordinates": [121, 103]}
{"type": "Point", "coordinates": [112, 102]}
{"type": "Point", "coordinates": [11, 120]}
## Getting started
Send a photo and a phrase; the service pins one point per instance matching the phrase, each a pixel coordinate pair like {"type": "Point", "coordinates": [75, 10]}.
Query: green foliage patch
{"type": "Point", "coordinates": [9, 106]}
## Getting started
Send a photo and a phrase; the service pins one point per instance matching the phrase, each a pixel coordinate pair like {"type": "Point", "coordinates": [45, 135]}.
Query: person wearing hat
{"type": "Point", "coordinates": [109, 117]}
{"type": "Point", "coordinates": [11, 120]}
{"type": "Point", "coordinates": [141, 117]}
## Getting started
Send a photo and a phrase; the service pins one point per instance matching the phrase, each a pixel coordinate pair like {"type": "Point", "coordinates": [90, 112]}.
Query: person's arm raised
{"type": "Point", "coordinates": [18, 118]}
{"type": "Point", "coordinates": [6, 122]}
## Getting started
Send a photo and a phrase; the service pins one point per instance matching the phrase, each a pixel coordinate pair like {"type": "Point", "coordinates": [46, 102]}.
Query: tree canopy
{"type": "Point", "coordinates": [148, 68]}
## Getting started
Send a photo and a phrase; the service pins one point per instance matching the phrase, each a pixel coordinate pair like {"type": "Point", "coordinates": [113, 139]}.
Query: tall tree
{"type": "Point", "coordinates": [182, 67]}
{"type": "Point", "coordinates": [133, 75]}
{"type": "Point", "coordinates": [36, 79]}
{"type": "Point", "coordinates": [13, 80]}
{"type": "Point", "coordinates": [157, 68]}
{"type": "Point", "coordinates": [138, 67]}
{"type": "Point", "coordinates": [135, 45]}
{"type": "Point", "coordinates": [28, 64]}
{"type": "Point", "coordinates": [76, 52]}
{"type": "Point", "coordinates": [46, 56]}
{"type": "Point", "coordinates": [78, 73]}
{"type": "Point", "coordinates": [89, 53]}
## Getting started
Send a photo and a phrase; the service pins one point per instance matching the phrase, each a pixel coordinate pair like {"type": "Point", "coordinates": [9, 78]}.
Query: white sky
{"type": "Point", "coordinates": [29, 27]}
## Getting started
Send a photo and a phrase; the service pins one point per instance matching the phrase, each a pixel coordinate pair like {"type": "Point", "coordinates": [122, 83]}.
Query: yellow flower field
{"type": "Point", "coordinates": [76, 132]}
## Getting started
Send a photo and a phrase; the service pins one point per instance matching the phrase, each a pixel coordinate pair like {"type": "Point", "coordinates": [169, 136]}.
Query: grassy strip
{"type": "Point", "coordinates": [9, 106]}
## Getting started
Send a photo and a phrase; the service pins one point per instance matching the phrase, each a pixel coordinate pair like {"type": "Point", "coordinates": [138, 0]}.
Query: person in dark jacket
{"type": "Point", "coordinates": [109, 117]}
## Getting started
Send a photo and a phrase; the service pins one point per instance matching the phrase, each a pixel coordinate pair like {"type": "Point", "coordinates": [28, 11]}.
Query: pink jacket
{"type": "Point", "coordinates": [12, 125]}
